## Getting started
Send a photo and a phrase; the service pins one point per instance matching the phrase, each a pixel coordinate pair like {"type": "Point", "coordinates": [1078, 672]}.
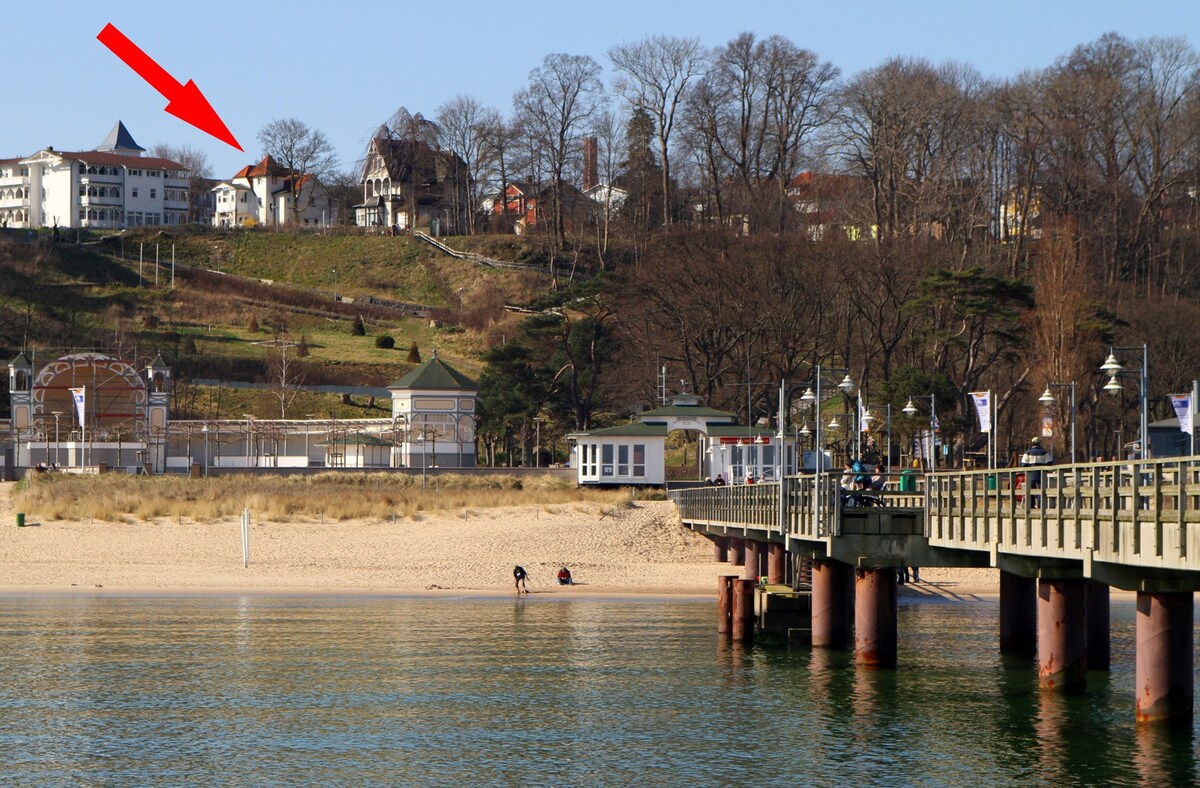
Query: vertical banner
{"type": "Point", "coordinates": [80, 395]}
{"type": "Point", "coordinates": [862, 411]}
{"type": "Point", "coordinates": [1182, 403]}
{"type": "Point", "coordinates": [983, 409]}
{"type": "Point", "coordinates": [1048, 426]}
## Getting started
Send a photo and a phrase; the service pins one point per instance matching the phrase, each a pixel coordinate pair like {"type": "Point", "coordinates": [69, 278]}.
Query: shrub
{"type": "Point", "coordinates": [252, 326]}
{"type": "Point", "coordinates": [385, 341]}
{"type": "Point", "coordinates": [414, 354]}
{"type": "Point", "coordinates": [359, 328]}
{"type": "Point", "coordinates": [302, 347]}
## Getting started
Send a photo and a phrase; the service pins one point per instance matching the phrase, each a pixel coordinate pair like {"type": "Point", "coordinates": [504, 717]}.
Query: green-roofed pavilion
{"type": "Point", "coordinates": [433, 407]}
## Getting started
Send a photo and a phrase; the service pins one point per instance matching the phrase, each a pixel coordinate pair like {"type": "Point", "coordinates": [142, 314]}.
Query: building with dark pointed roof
{"type": "Point", "coordinates": [119, 140]}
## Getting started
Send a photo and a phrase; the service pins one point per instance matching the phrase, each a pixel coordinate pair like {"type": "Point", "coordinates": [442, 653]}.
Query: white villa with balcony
{"type": "Point", "coordinates": [111, 187]}
{"type": "Point", "coordinates": [266, 194]}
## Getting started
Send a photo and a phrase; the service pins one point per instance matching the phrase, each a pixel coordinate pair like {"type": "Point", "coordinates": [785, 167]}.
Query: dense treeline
{"type": "Point", "coordinates": [932, 230]}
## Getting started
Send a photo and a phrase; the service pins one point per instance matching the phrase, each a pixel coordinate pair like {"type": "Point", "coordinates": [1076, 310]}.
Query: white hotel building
{"type": "Point", "coordinates": [111, 187]}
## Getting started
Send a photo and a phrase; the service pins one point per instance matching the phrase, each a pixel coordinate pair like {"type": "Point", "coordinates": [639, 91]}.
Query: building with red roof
{"type": "Point", "coordinates": [271, 195]}
{"type": "Point", "coordinates": [111, 187]}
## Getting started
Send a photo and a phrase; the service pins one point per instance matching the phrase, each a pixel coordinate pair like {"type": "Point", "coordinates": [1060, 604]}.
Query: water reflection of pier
{"type": "Point", "coordinates": [1059, 547]}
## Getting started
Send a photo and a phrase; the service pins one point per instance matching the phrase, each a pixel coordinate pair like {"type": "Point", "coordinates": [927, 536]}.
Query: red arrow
{"type": "Point", "coordinates": [186, 101]}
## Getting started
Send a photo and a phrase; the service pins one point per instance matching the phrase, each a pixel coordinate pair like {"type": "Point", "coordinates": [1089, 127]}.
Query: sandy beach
{"type": "Point", "coordinates": [641, 549]}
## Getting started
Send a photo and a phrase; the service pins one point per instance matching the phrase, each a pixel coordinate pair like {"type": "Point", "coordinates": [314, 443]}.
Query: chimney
{"type": "Point", "coordinates": [589, 163]}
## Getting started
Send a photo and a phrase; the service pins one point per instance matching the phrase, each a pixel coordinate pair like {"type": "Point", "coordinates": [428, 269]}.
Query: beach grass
{"type": "Point", "coordinates": [324, 496]}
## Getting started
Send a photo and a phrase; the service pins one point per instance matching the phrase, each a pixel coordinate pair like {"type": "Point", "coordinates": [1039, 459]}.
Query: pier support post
{"type": "Point", "coordinates": [725, 603]}
{"type": "Point", "coordinates": [1018, 614]}
{"type": "Point", "coordinates": [736, 550]}
{"type": "Point", "coordinates": [776, 563]}
{"type": "Point", "coordinates": [720, 549]}
{"type": "Point", "coordinates": [753, 557]}
{"type": "Point", "coordinates": [1099, 656]}
{"type": "Point", "coordinates": [1163, 676]}
{"type": "Point", "coordinates": [743, 610]}
{"type": "Point", "coordinates": [875, 617]}
{"type": "Point", "coordinates": [1062, 634]}
{"type": "Point", "coordinates": [830, 620]}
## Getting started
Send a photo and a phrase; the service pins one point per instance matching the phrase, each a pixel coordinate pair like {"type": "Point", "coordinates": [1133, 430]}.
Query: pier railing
{"type": "Point", "coordinates": [1136, 513]}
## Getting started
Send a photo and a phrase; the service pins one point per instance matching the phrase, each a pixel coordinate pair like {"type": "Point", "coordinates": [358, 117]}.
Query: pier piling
{"type": "Point", "coordinates": [776, 563]}
{"type": "Point", "coordinates": [830, 619]}
{"type": "Point", "coordinates": [743, 610]}
{"type": "Point", "coordinates": [1062, 634]}
{"type": "Point", "coordinates": [753, 557]}
{"type": "Point", "coordinates": [1018, 614]}
{"type": "Point", "coordinates": [1164, 672]}
{"type": "Point", "coordinates": [875, 617]}
{"type": "Point", "coordinates": [1099, 652]}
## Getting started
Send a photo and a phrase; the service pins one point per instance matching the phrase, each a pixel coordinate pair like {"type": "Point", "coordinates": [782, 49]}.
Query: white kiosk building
{"type": "Point", "coordinates": [635, 454]}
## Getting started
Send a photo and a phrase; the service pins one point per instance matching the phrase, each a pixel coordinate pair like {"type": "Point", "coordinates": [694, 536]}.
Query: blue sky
{"type": "Point", "coordinates": [344, 67]}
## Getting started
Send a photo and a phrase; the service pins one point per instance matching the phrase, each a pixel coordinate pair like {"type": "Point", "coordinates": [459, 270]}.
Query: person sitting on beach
{"type": "Point", "coordinates": [519, 576]}
{"type": "Point", "coordinates": [564, 577]}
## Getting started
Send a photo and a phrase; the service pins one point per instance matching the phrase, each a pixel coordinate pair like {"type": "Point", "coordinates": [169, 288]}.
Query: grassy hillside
{"type": "Point", "coordinates": [97, 294]}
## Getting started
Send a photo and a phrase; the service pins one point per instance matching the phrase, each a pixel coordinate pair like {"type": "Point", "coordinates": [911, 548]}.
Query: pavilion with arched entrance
{"type": "Point", "coordinates": [88, 412]}
{"type": "Point", "coordinates": [635, 454]}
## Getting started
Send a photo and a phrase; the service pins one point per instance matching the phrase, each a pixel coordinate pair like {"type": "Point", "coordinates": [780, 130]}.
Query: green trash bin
{"type": "Point", "coordinates": [908, 480]}
{"type": "Point", "coordinates": [20, 519]}
{"type": "Point", "coordinates": [991, 481]}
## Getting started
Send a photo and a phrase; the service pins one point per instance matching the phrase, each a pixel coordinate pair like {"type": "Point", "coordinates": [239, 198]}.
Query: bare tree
{"type": "Point", "coordinates": [466, 126]}
{"type": "Point", "coordinates": [303, 151]}
{"type": "Point", "coordinates": [199, 171]}
{"type": "Point", "coordinates": [286, 373]}
{"type": "Point", "coordinates": [562, 96]}
{"type": "Point", "coordinates": [756, 109]}
{"type": "Point", "coordinates": [657, 71]}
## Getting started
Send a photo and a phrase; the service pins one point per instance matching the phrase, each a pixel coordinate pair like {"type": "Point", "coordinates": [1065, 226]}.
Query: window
{"type": "Point", "coordinates": [639, 460]}
{"type": "Point", "coordinates": [153, 193]}
{"type": "Point", "coordinates": [606, 460]}
{"type": "Point", "coordinates": [134, 192]}
{"type": "Point", "coordinates": [622, 460]}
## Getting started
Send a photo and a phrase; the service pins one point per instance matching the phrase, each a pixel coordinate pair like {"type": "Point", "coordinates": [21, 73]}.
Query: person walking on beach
{"type": "Point", "coordinates": [519, 576]}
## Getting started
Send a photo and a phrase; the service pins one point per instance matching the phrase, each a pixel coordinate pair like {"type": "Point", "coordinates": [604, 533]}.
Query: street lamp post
{"type": "Point", "coordinates": [911, 410]}
{"type": "Point", "coordinates": [57, 445]}
{"type": "Point", "coordinates": [814, 398]}
{"type": "Point", "coordinates": [1114, 368]}
{"type": "Point", "coordinates": [1048, 398]}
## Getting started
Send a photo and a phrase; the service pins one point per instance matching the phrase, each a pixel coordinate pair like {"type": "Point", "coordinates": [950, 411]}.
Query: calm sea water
{"type": "Point", "coordinates": [155, 691]}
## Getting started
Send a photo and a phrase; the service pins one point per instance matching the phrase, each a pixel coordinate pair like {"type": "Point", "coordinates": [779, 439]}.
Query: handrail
{"type": "Point", "coordinates": [1138, 513]}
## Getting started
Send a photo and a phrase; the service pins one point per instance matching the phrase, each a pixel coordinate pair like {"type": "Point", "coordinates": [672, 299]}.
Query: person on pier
{"type": "Point", "coordinates": [1034, 458]}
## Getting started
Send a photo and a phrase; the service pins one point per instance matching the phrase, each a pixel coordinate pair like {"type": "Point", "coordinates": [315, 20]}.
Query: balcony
{"type": "Point", "coordinates": [101, 201]}
{"type": "Point", "coordinates": [89, 178]}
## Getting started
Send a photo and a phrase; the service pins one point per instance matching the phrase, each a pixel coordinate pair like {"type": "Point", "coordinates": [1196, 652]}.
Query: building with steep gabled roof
{"type": "Point", "coordinates": [111, 187]}
{"type": "Point", "coordinates": [407, 182]}
{"type": "Point", "coordinates": [268, 194]}
{"type": "Point", "coordinates": [433, 409]}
